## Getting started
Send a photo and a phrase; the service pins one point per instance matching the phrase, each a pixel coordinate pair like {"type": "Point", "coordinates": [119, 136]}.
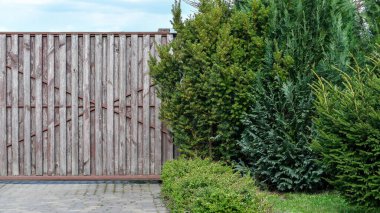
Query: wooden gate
{"type": "Point", "coordinates": [80, 104]}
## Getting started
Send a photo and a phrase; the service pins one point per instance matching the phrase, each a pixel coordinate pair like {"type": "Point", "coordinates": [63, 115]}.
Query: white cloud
{"type": "Point", "coordinates": [86, 15]}
{"type": "Point", "coordinates": [28, 2]}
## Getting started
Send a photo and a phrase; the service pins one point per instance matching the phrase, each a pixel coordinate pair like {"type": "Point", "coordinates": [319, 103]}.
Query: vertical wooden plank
{"type": "Point", "coordinates": [92, 111]}
{"type": "Point", "coordinates": [122, 104]}
{"type": "Point", "coordinates": [140, 120]}
{"type": "Point", "coordinates": [62, 104]}
{"type": "Point", "coordinates": [14, 132]}
{"type": "Point", "coordinates": [69, 89]}
{"type": "Point", "coordinates": [128, 87]}
{"type": "Point", "coordinates": [38, 90]}
{"type": "Point", "coordinates": [86, 104]}
{"type": "Point", "coordinates": [27, 127]}
{"type": "Point", "coordinates": [98, 105]}
{"type": "Point", "coordinates": [146, 106]}
{"type": "Point", "coordinates": [74, 104]}
{"type": "Point", "coordinates": [157, 125]}
{"type": "Point", "coordinates": [3, 105]}
{"type": "Point", "coordinates": [104, 102]}
{"type": "Point", "coordinates": [33, 102]}
{"type": "Point", "coordinates": [9, 102]}
{"type": "Point", "coordinates": [51, 131]}
{"type": "Point", "coordinates": [110, 106]}
{"type": "Point", "coordinates": [44, 103]}
{"type": "Point", "coordinates": [21, 102]}
{"type": "Point", "coordinates": [56, 108]}
{"type": "Point", "coordinates": [80, 105]}
{"type": "Point", "coordinates": [116, 97]}
{"type": "Point", "coordinates": [134, 103]}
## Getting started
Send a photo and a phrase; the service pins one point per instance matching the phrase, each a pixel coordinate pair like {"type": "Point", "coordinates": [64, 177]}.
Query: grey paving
{"type": "Point", "coordinates": [51, 197]}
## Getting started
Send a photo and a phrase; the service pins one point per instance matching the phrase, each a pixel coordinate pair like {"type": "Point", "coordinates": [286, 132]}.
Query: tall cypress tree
{"type": "Point", "coordinates": [305, 36]}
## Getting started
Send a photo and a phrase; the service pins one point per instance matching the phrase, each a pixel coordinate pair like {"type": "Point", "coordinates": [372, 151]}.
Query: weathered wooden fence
{"type": "Point", "coordinates": [80, 104]}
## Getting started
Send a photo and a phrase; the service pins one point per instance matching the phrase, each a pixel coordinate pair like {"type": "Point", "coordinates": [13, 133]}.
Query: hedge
{"type": "Point", "coordinates": [204, 186]}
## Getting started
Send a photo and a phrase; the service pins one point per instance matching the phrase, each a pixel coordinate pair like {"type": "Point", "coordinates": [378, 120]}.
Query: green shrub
{"type": "Point", "coordinates": [304, 36]}
{"type": "Point", "coordinates": [277, 140]}
{"type": "Point", "coordinates": [204, 77]}
{"type": "Point", "coordinates": [204, 186]}
{"type": "Point", "coordinates": [348, 133]}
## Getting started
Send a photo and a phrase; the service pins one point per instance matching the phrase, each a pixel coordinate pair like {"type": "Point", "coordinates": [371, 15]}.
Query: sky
{"type": "Point", "coordinates": [87, 15]}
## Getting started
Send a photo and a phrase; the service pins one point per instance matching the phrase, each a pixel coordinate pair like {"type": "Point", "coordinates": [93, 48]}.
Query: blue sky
{"type": "Point", "coordinates": [87, 15]}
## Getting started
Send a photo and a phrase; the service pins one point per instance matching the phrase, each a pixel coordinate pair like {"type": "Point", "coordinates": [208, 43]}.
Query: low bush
{"type": "Point", "coordinates": [204, 186]}
{"type": "Point", "coordinates": [348, 133]}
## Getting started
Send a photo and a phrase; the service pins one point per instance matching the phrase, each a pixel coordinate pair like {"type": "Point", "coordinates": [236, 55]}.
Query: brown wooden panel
{"type": "Point", "coordinates": [116, 98]}
{"type": "Point", "coordinates": [69, 146]}
{"type": "Point", "coordinates": [86, 105]}
{"type": "Point", "coordinates": [74, 103]}
{"type": "Point", "coordinates": [110, 109]}
{"type": "Point", "coordinates": [44, 103]}
{"type": "Point", "coordinates": [146, 106]}
{"type": "Point", "coordinates": [13, 57]}
{"type": "Point", "coordinates": [123, 104]}
{"type": "Point", "coordinates": [3, 104]}
{"type": "Point", "coordinates": [104, 101]}
{"type": "Point", "coordinates": [62, 104]}
{"type": "Point", "coordinates": [80, 105]}
{"type": "Point", "coordinates": [38, 109]}
{"type": "Point", "coordinates": [51, 128]}
{"type": "Point", "coordinates": [134, 106]}
{"type": "Point", "coordinates": [27, 128]}
{"type": "Point", "coordinates": [98, 105]}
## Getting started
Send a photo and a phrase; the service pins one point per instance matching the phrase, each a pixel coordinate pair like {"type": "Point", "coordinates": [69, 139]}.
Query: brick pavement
{"type": "Point", "coordinates": [58, 196]}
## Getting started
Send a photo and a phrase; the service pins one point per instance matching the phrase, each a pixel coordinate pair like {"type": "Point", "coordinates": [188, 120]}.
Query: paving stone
{"type": "Point", "coordinates": [80, 197]}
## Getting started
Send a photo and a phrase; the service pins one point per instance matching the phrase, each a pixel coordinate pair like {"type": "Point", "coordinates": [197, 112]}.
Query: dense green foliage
{"type": "Point", "coordinates": [205, 76]}
{"type": "Point", "coordinates": [277, 139]}
{"type": "Point", "coordinates": [348, 130]}
{"type": "Point", "coordinates": [304, 36]}
{"type": "Point", "coordinates": [235, 83]}
{"type": "Point", "coordinates": [372, 18]}
{"type": "Point", "coordinates": [204, 186]}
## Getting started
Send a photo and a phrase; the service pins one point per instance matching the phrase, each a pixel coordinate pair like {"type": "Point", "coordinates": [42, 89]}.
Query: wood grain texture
{"type": "Point", "coordinates": [62, 105]}
{"type": "Point", "coordinates": [80, 105]}
{"type": "Point", "coordinates": [86, 105]}
{"type": "Point", "coordinates": [44, 103]}
{"type": "Point", "coordinates": [122, 104]}
{"type": "Point", "coordinates": [104, 102]}
{"type": "Point", "coordinates": [13, 57]}
{"type": "Point", "coordinates": [51, 117]}
{"type": "Point", "coordinates": [146, 106]}
{"type": "Point", "coordinates": [134, 104]}
{"type": "Point", "coordinates": [3, 105]}
{"type": "Point", "coordinates": [110, 106]}
{"type": "Point", "coordinates": [38, 98]}
{"type": "Point", "coordinates": [98, 105]}
{"type": "Point", "coordinates": [27, 124]}
{"type": "Point", "coordinates": [116, 99]}
{"type": "Point", "coordinates": [69, 145]}
{"type": "Point", "coordinates": [74, 104]}
{"type": "Point", "coordinates": [140, 121]}
{"type": "Point", "coordinates": [128, 111]}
